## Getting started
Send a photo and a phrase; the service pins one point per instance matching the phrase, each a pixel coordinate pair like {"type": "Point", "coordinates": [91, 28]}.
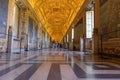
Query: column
{"type": "Point", "coordinates": [96, 32]}
{"type": "Point", "coordinates": [10, 22]}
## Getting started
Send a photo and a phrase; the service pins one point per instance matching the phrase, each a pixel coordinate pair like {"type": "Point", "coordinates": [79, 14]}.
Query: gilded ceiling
{"type": "Point", "coordinates": [56, 15]}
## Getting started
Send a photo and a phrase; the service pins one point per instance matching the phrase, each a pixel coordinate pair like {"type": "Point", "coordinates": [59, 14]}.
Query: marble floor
{"type": "Point", "coordinates": [57, 64]}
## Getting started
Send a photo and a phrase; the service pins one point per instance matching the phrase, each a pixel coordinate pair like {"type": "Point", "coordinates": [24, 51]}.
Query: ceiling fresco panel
{"type": "Point", "coordinates": [56, 15]}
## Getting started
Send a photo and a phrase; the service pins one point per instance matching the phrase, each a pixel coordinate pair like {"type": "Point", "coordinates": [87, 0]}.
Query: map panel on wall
{"type": "Point", "coordinates": [30, 30]}
{"type": "Point", "coordinates": [3, 17]}
{"type": "Point", "coordinates": [43, 36]}
{"type": "Point", "coordinates": [110, 18]}
{"type": "Point", "coordinates": [36, 32]}
{"type": "Point", "coordinates": [78, 32]}
{"type": "Point", "coordinates": [114, 18]}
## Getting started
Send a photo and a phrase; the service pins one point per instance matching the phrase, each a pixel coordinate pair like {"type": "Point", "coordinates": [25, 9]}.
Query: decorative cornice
{"type": "Point", "coordinates": [20, 4]}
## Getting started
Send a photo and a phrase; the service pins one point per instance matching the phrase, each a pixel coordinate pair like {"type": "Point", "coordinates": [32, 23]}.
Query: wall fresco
{"type": "Point", "coordinates": [30, 30]}
{"type": "Point", "coordinates": [114, 18]}
{"type": "Point", "coordinates": [110, 18]}
{"type": "Point", "coordinates": [3, 17]}
{"type": "Point", "coordinates": [110, 26]}
{"type": "Point", "coordinates": [36, 33]}
{"type": "Point", "coordinates": [77, 34]}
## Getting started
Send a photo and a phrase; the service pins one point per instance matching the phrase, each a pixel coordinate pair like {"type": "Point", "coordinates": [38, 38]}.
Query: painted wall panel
{"type": "Point", "coordinates": [36, 33]}
{"type": "Point", "coordinates": [110, 18]}
{"type": "Point", "coordinates": [30, 30]}
{"type": "Point", "coordinates": [77, 34]}
{"type": "Point", "coordinates": [3, 17]}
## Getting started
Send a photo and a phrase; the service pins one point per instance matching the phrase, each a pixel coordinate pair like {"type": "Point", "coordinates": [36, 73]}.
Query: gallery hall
{"type": "Point", "coordinates": [59, 39]}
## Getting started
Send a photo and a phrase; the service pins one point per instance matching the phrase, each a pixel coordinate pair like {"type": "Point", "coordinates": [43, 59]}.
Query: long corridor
{"type": "Point", "coordinates": [57, 64]}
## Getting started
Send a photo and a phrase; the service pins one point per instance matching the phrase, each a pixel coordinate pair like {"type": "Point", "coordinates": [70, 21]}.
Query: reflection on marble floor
{"type": "Point", "coordinates": [59, 64]}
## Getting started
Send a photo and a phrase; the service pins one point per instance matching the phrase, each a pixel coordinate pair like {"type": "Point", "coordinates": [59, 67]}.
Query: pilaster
{"type": "Point", "coordinates": [96, 32]}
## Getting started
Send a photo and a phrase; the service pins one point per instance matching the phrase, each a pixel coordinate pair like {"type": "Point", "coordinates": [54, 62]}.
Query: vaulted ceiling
{"type": "Point", "coordinates": [56, 15]}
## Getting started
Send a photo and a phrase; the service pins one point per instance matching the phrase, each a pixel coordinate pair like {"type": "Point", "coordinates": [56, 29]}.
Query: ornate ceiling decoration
{"type": "Point", "coordinates": [56, 15]}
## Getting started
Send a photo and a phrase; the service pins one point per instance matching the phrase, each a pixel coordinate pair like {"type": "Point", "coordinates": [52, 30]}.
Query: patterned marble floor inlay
{"type": "Point", "coordinates": [105, 67]}
{"type": "Point", "coordinates": [2, 64]}
{"type": "Point", "coordinates": [28, 73]}
{"type": "Point", "coordinates": [42, 72]}
{"type": "Point", "coordinates": [56, 64]}
{"type": "Point", "coordinates": [54, 73]}
{"type": "Point", "coordinates": [14, 73]}
{"type": "Point", "coordinates": [4, 71]}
